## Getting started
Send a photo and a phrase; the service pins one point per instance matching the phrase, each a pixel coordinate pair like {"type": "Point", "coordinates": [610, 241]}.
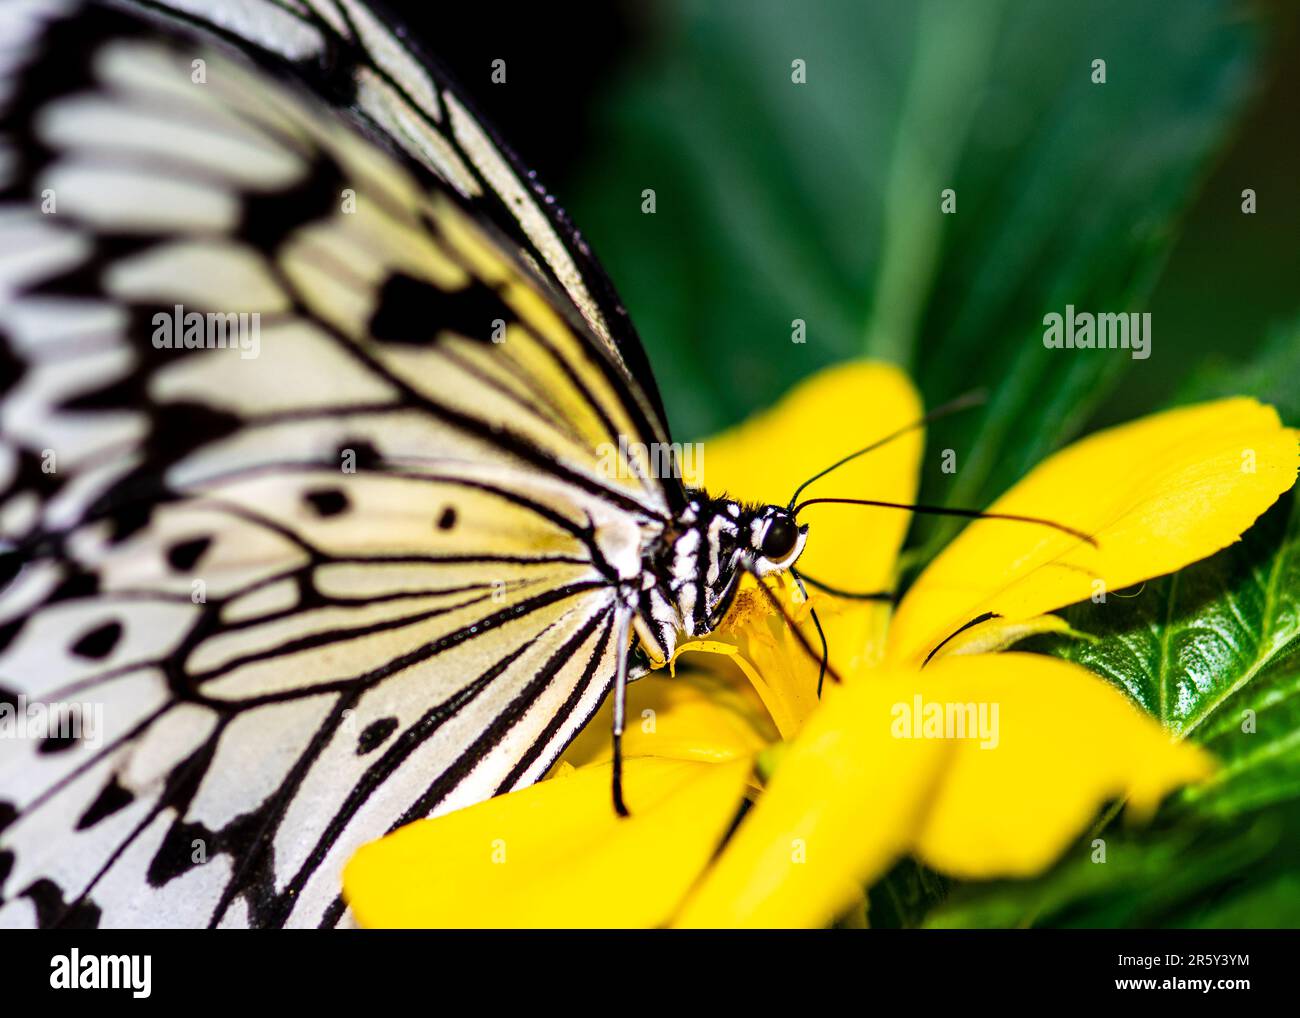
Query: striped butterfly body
{"type": "Point", "coordinates": [307, 522]}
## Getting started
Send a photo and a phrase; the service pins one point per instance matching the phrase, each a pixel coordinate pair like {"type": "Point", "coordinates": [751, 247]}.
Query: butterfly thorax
{"type": "Point", "coordinates": [692, 572]}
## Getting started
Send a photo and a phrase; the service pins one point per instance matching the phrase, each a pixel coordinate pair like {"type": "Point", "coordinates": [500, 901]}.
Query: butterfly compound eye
{"type": "Point", "coordinates": [781, 537]}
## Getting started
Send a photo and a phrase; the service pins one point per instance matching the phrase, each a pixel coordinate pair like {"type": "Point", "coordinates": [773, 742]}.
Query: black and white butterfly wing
{"type": "Point", "coordinates": [353, 569]}
{"type": "Point", "coordinates": [358, 60]}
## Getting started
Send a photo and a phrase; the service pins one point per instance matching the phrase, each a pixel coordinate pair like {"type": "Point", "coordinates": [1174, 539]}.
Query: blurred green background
{"type": "Point", "coordinates": [821, 201]}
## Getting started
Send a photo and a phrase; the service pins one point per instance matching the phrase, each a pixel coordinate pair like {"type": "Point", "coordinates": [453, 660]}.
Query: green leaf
{"type": "Point", "coordinates": [1249, 718]}
{"type": "Point", "coordinates": [902, 897]}
{"type": "Point", "coordinates": [1191, 648]}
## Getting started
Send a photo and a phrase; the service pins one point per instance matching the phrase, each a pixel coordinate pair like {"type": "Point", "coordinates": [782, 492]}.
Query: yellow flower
{"type": "Point", "coordinates": [981, 765]}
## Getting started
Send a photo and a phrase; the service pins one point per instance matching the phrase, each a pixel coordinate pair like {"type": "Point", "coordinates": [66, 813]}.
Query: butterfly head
{"type": "Point", "coordinates": [716, 542]}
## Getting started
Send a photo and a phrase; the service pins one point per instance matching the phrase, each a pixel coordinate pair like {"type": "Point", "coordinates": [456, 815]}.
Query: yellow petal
{"type": "Point", "coordinates": [822, 419]}
{"type": "Point", "coordinates": [555, 854]}
{"type": "Point", "coordinates": [705, 716]}
{"type": "Point", "coordinates": [1156, 494]}
{"type": "Point", "coordinates": [858, 788]}
{"type": "Point", "coordinates": [1067, 742]}
{"type": "Point", "coordinates": [846, 800]}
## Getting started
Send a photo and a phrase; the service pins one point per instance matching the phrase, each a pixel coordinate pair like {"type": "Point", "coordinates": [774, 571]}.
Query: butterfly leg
{"type": "Point", "coordinates": [622, 629]}
{"type": "Point", "coordinates": [821, 634]}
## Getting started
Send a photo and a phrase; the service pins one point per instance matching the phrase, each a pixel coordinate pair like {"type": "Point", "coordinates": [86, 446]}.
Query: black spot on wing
{"type": "Point", "coordinates": [11, 564]}
{"type": "Point", "coordinates": [31, 473]}
{"type": "Point", "coordinates": [184, 555]}
{"type": "Point", "coordinates": [180, 428]}
{"type": "Point", "coordinates": [12, 366]}
{"type": "Point", "coordinates": [56, 743]}
{"type": "Point", "coordinates": [8, 631]}
{"type": "Point", "coordinates": [271, 218]}
{"type": "Point", "coordinates": [111, 798]}
{"type": "Point", "coordinates": [53, 910]}
{"type": "Point", "coordinates": [364, 454]}
{"type": "Point", "coordinates": [448, 519]}
{"type": "Point", "coordinates": [327, 502]}
{"type": "Point", "coordinates": [375, 735]}
{"type": "Point", "coordinates": [99, 642]}
{"type": "Point", "coordinates": [78, 585]}
{"type": "Point", "coordinates": [409, 310]}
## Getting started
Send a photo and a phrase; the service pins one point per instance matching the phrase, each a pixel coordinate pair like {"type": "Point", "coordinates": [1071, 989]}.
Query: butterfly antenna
{"type": "Point", "coordinates": [823, 659]}
{"type": "Point", "coordinates": [940, 510]}
{"type": "Point", "coordinates": [851, 595]}
{"type": "Point", "coordinates": [965, 402]}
